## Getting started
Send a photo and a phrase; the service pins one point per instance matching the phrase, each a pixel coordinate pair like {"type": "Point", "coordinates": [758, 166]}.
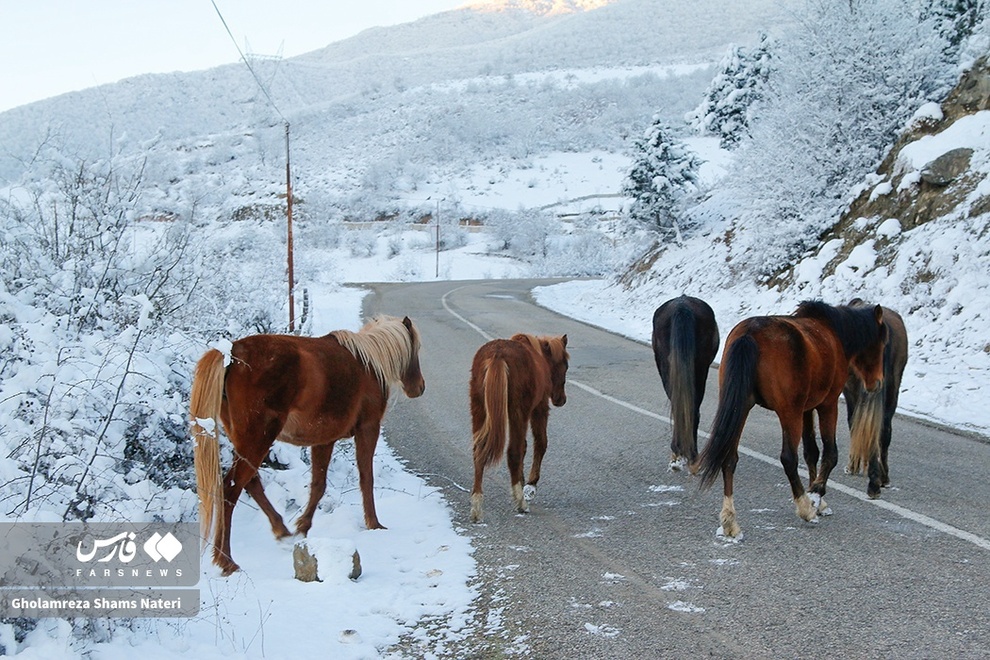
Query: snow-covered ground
{"type": "Point", "coordinates": [418, 575]}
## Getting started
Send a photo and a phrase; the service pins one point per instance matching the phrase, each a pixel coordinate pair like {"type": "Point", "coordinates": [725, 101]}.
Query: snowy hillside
{"type": "Point", "coordinates": [141, 221]}
{"type": "Point", "coordinates": [377, 113]}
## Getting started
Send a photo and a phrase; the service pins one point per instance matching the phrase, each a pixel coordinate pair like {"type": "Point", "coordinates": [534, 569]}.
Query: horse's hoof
{"type": "Point", "coordinates": [873, 494]}
{"type": "Point", "coordinates": [529, 492]}
{"type": "Point", "coordinates": [677, 463]}
{"type": "Point", "coordinates": [735, 536]}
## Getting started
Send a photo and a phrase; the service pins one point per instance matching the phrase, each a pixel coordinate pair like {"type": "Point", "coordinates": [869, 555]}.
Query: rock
{"type": "Point", "coordinates": [946, 168]}
{"type": "Point", "coordinates": [356, 567]}
{"type": "Point", "coordinates": [304, 563]}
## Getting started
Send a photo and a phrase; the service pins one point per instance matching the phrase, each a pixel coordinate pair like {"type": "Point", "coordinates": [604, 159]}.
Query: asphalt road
{"type": "Point", "coordinates": [618, 557]}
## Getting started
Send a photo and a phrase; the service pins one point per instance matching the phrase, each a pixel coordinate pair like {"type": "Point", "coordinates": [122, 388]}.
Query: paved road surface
{"type": "Point", "coordinates": [618, 557]}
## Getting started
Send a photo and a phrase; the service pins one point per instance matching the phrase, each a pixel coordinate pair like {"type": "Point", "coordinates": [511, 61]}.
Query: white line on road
{"type": "Point", "coordinates": [920, 518]}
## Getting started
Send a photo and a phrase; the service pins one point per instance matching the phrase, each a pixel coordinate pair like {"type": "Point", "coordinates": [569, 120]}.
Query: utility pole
{"type": "Point", "coordinates": [288, 219]}
{"type": "Point", "coordinates": [438, 240]}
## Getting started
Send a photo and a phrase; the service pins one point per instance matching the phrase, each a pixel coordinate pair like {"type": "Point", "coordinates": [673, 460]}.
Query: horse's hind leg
{"type": "Point", "coordinates": [256, 490]}
{"type": "Point", "coordinates": [318, 485]}
{"type": "Point", "coordinates": [514, 458]}
{"type": "Point", "coordinates": [539, 425]}
{"type": "Point", "coordinates": [477, 496]}
{"type": "Point", "coordinates": [727, 517]}
{"type": "Point", "coordinates": [237, 478]}
{"type": "Point", "coordinates": [792, 426]}
{"type": "Point", "coordinates": [828, 417]}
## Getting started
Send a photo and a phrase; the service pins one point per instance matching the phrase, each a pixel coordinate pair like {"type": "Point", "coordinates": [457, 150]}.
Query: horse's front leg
{"type": "Point", "coordinates": [792, 429]}
{"type": "Point", "coordinates": [538, 422]}
{"type": "Point", "coordinates": [365, 441]}
{"type": "Point", "coordinates": [318, 485]}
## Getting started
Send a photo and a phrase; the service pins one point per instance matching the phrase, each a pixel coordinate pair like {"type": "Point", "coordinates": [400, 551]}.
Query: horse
{"type": "Point", "coordinates": [513, 382]}
{"type": "Point", "coordinates": [870, 441]}
{"type": "Point", "coordinates": [794, 365]}
{"type": "Point", "coordinates": [305, 391]}
{"type": "Point", "coordinates": [685, 342]}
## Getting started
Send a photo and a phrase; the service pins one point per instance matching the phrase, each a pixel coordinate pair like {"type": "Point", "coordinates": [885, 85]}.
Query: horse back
{"type": "Point", "coordinates": [681, 326]}
{"type": "Point", "coordinates": [529, 374]}
{"type": "Point", "coordinates": [313, 384]}
{"type": "Point", "coordinates": [801, 362]}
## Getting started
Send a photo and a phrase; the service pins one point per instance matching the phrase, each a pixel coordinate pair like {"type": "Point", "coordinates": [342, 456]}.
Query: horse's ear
{"type": "Point", "coordinates": [878, 313]}
{"type": "Point", "coordinates": [406, 321]}
{"type": "Point", "coordinates": [563, 340]}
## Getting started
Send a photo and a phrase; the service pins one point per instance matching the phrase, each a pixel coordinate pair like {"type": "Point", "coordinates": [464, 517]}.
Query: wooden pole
{"type": "Point", "coordinates": [288, 206]}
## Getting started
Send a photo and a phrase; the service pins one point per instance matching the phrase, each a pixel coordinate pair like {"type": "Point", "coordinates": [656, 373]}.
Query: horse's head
{"type": "Point", "coordinates": [868, 363]}
{"type": "Point", "coordinates": [413, 383]}
{"type": "Point", "coordinates": [555, 351]}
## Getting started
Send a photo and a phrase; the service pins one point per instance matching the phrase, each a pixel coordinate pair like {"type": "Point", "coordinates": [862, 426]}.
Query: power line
{"type": "Point", "coordinates": [247, 63]}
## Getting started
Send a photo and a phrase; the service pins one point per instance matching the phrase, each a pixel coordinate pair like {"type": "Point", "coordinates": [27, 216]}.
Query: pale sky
{"type": "Point", "coordinates": [49, 47]}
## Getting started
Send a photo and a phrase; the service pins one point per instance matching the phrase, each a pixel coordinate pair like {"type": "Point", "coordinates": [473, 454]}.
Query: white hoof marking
{"type": "Point", "coordinates": [529, 492]}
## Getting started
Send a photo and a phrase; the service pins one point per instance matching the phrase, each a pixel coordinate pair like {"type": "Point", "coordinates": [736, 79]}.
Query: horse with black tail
{"type": "Point", "coordinates": [685, 342]}
{"type": "Point", "coordinates": [871, 414]}
{"type": "Point", "coordinates": [792, 365]}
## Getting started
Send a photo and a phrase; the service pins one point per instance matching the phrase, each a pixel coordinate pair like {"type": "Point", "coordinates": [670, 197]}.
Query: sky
{"type": "Point", "coordinates": [50, 47]}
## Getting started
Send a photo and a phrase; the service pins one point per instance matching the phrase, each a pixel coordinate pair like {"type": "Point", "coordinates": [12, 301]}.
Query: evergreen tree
{"type": "Point", "coordinates": [726, 110]}
{"type": "Point", "coordinates": [663, 172]}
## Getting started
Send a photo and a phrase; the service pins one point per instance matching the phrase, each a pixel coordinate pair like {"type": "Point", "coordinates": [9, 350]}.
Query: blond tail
{"type": "Point", "coordinates": [864, 432]}
{"type": "Point", "coordinates": [204, 409]}
{"type": "Point", "coordinates": [489, 441]}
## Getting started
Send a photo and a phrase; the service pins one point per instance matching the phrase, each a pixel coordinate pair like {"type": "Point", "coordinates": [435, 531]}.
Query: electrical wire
{"type": "Point", "coordinates": [248, 64]}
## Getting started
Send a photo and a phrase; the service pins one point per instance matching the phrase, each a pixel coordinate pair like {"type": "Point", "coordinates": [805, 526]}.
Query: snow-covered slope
{"type": "Point", "coordinates": [384, 96]}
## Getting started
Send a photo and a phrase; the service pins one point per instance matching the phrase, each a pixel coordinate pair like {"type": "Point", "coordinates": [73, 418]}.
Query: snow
{"type": "Point", "coordinates": [418, 579]}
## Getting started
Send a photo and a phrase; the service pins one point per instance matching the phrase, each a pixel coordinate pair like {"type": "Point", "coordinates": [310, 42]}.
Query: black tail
{"type": "Point", "coordinates": [682, 389]}
{"type": "Point", "coordinates": [735, 398]}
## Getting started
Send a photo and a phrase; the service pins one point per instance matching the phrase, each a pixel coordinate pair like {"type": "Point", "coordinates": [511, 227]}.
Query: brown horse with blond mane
{"type": "Point", "coordinates": [792, 365]}
{"type": "Point", "coordinates": [306, 391]}
{"type": "Point", "coordinates": [513, 382]}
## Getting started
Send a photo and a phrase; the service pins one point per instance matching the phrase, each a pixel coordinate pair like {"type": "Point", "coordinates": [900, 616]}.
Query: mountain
{"type": "Point", "coordinates": [490, 82]}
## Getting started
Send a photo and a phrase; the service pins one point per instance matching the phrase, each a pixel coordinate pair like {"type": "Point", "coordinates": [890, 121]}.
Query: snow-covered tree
{"type": "Point", "coordinates": [726, 108]}
{"type": "Point", "coordinates": [843, 87]}
{"type": "Point", "coordinates": [957, 19]}
{"type": "Point", "coordinates": [663, 172]}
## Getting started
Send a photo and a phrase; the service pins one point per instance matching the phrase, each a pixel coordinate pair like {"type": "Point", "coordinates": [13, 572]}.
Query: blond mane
{"type": "Point", "coordinates": [557, 350]}
{"type": "Point", "coordinates": [384, 346]}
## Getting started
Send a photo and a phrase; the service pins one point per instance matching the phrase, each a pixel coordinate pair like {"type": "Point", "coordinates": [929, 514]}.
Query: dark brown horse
{"type": "Point", "coordinates": [513, 382]}
{"type": "Point", "coordinates": [306, 391]}
{"type": "Point", "coordinates": [792, 365]}
{"type": "Point", "coordinates": [685, 342]}
{"type": "Point", "coordinates": [869, 440]}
